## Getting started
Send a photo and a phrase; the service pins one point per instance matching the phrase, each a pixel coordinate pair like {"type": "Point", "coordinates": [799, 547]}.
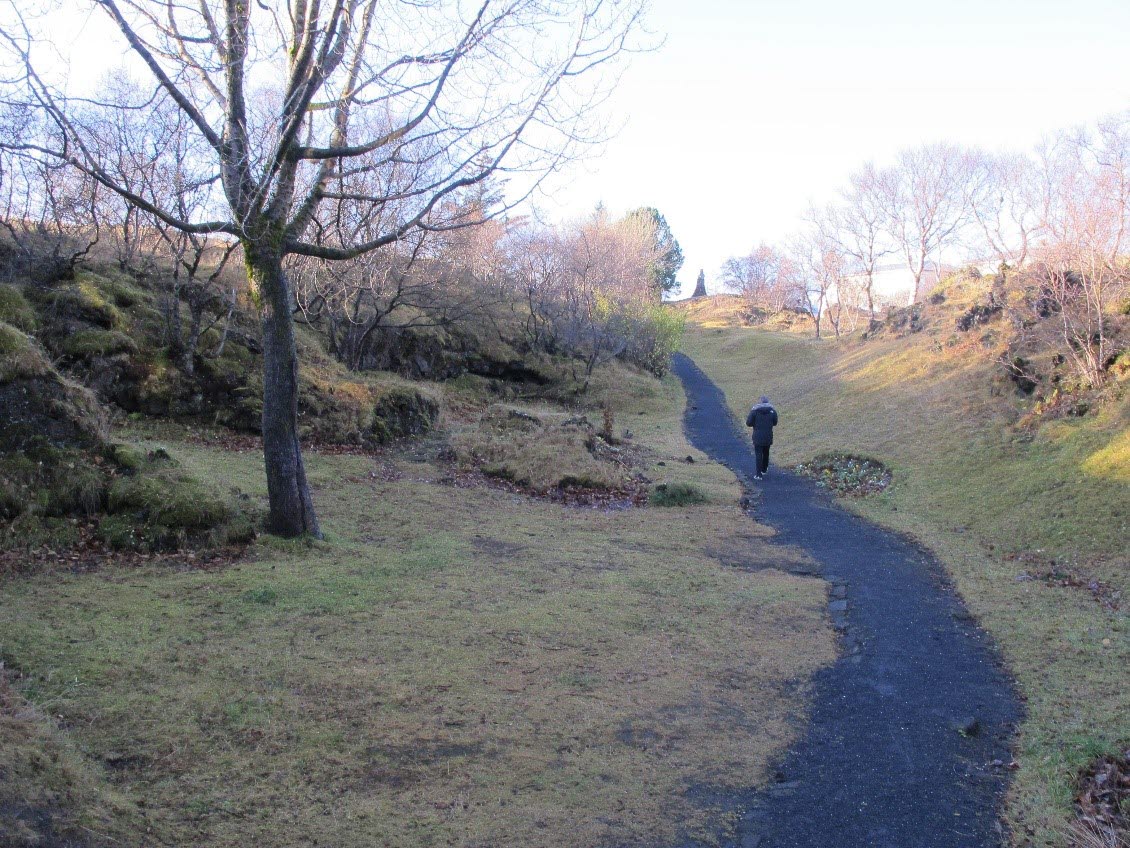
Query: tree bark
{"type": "Point", "coordinates": [291, 508]}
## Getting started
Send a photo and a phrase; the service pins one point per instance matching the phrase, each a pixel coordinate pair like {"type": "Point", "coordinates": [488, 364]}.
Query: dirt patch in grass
{"type": "Point", "coordinates": [1047, 571]}
{"type": "Point", "coordinates": [610, 499]}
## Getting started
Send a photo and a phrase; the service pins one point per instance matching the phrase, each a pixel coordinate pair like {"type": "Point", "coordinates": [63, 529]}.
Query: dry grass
{"type": "Point", "coordinates": [542, 450]}
{"type": "Point", "coordinates": [999, 505]}
{"type": "Point", "coordinates": [1088, 835]}
{"type": "Point", "coordinates": [454, 666]}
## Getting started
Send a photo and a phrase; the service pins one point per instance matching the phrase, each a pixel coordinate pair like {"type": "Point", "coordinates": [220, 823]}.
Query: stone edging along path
{"type": "Point", "coordinates": [910, 728]}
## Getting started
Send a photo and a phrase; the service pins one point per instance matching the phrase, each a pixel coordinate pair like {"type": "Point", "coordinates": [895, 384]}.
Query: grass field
{"type": "Point", "coordinates": [1033, 525]}
{"type": "Point", "coordinates": [453, 666]}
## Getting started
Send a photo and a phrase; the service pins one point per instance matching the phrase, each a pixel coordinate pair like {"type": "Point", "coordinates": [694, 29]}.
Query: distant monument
{"type": "Point", "coordinates": [700, 285]}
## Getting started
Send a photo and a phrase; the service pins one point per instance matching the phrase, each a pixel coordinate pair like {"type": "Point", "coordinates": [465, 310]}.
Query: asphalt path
{"type": "Point", "coordinates": [908, 741]}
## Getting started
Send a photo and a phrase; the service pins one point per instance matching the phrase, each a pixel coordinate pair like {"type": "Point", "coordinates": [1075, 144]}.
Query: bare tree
{"type": "Point", "coordinates": [1005, 201]}
{"type": "Point", "coordinates": [811, 267]}
{"type": "Point", "coordinates": [924, 201]}
{"type": "Point", "coordinates": [1083, 267]}
{"type": "Point", "coordinates": [383, 106]}
{"type": "Point", "coordinates": [857, 228]}
{"type": "Point", "coordinates": [756, 277]}
{"type": "Point", "coordinates": [49, 212]}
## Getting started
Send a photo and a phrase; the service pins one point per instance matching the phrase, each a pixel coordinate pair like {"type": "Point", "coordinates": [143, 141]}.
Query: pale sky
{"type": "Point", "coordinates": [753, 109]}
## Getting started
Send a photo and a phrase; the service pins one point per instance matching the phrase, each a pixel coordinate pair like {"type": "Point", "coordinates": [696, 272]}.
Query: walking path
{"type": "Point", "coordinates": [907, 724]}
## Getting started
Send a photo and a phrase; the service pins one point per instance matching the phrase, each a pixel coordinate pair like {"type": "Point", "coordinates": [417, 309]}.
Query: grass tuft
{"type": "Point", "coordinates": [676, 494]}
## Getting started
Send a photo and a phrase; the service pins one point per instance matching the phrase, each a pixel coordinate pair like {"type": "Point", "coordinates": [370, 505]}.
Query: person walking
{"type": "Point", "coordinates": [762, 418]}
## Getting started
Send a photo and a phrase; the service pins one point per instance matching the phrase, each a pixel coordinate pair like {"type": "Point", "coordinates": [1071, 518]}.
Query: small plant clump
{"type": "Point", "coordinates": [847, 474]}
{"type": "Point", "coordinates": [676, 494]}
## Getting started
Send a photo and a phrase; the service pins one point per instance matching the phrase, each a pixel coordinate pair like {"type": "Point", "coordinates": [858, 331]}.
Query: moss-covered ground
{"type": "Point", "coordinates": [1031, 519]}
{"type": "Point", "coordinates": [453, 666]}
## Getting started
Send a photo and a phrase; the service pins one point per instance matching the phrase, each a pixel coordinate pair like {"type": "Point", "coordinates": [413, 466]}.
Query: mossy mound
{"type": "Point", "coordinates": [55, 463]}
{"type": "Point", "coordinates": [15, 309]}
{"type": "Point", "coordinates": [157, 507]}
{"type": "Point", "coordinates": [39, 404]}
{"type": "Point", "coordinates": [78, 305]}
{"type": "Point", "coordinates": [92, 344]}
{"type": "Point", "coordinates": [335, 410]}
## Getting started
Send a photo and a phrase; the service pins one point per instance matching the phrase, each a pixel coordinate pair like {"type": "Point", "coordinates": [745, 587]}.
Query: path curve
{"type": "Point", "coordinates": [889, 758]}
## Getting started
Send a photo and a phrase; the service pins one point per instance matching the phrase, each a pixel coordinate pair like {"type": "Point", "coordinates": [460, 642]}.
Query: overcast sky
{"type": "Point", "coordinates": [753, 109]}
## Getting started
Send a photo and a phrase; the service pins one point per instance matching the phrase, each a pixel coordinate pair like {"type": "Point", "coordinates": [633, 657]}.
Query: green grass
{"type": "Point", "coordinates": [452, 666]}
{"type": "Point", "coordinates": [997, 504]}
{"type": "Point", "coordinates": [676, 494]}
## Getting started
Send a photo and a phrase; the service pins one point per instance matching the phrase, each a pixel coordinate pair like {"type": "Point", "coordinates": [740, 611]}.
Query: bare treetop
{"type": "Point", "coordinates": [386, 103]}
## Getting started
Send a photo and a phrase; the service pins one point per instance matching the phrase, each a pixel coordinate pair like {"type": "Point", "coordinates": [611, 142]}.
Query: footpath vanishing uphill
{"type": "Point", "coordinates": [909, 735]}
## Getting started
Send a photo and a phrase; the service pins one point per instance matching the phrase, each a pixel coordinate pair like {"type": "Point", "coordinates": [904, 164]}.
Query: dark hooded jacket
{"type": "Point", "coordinates": [762, 418]}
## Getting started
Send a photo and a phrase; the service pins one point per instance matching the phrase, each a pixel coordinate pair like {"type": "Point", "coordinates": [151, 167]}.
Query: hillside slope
{"type": "Point", "coordinates": [1030, 516]}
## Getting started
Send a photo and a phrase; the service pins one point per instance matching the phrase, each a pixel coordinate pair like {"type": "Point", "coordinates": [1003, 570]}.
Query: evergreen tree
{"type": "Point", "coordinates": [670, 253]}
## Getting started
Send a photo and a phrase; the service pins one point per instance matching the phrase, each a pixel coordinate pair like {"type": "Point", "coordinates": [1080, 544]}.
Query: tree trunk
{"type": "Point", "coordinates": [291, 509]}
{"type": "Point", "coordinates": [188, 354]}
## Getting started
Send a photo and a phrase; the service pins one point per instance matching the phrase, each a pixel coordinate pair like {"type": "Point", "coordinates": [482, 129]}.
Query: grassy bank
{"type": "Point", "coordinates": [457, 664]}
{"type": "Point", "coordinates": [1031, 522]}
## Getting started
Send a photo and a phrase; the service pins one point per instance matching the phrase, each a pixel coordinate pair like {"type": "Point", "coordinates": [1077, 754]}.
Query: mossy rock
{"type": "Point", "coordinates": [39, 403]}
{"type": "Point", "coordinates": [93, 344]}
{"type": "Point", "coordinates": [403, 412]}
{"type": "Point", "coordinates": [15, 309]}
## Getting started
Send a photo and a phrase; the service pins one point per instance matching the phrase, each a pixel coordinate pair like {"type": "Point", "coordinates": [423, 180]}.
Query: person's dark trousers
{"type": "Point", "coordinates": [762, 454]}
